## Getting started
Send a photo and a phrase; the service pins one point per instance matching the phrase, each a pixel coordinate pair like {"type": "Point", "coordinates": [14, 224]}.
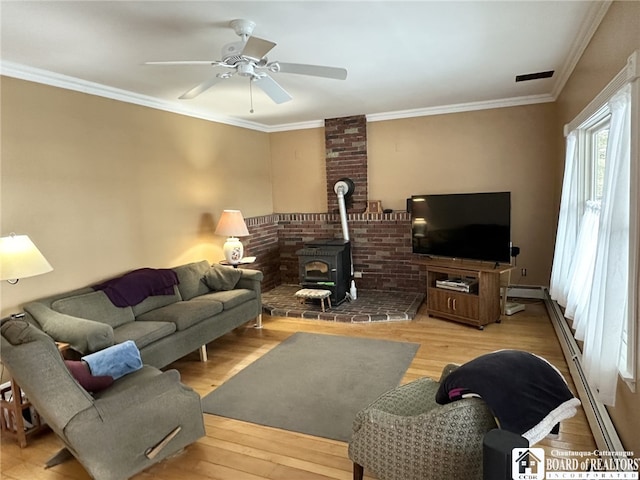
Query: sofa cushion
{"type": "Point", "coordinates": [183, 314]}
{"type": "Point", "coordinates": [219, 277]}
{"type": "Point", "coordinates": [228, 298]}
{"type": "Point", "coordinates": [190, 278]}
{"type": "Point", "coordinates": [94, 306]}
{"type": "Point", "coordinates": [143, 333]}
{"type": "Point", "coordinates": [156, 301]}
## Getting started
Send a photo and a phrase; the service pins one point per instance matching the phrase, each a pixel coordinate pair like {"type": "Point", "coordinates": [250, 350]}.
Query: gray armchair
{"type": "Point", "coordinates": [406, 435]}
{"type": "Point", "coordinates": [138, 421]}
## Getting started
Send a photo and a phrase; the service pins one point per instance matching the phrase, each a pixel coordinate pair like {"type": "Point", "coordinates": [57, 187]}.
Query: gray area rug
{"type": "Point", "coordinates": [313, 384]}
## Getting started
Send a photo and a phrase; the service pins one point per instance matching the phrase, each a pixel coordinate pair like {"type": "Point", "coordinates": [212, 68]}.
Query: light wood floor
{"type": "Point", "coordinates": [234, 450]}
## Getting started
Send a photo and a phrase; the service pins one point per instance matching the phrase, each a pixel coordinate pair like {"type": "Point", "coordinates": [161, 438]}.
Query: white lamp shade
{"type": "Point", "coordinates": [20, 258]}
{"type": "Point", "coordinates": [231, 224]}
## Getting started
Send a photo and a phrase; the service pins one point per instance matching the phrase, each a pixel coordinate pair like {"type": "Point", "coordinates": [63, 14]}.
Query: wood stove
{"type": "Point", "coordinates": [326, 264]}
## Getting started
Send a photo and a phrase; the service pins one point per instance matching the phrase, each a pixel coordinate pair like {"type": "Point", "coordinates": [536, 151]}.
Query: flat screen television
{"type": "Point", "coordinates": [474, 226]}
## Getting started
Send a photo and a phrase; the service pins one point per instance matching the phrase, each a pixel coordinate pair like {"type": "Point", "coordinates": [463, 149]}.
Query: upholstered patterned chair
{"type": "Point", "coordinates": [406, 435]}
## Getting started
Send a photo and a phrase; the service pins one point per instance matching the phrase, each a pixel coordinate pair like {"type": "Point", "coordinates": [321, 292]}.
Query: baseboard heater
{"type": "Point", "coordinates": [602, 427]}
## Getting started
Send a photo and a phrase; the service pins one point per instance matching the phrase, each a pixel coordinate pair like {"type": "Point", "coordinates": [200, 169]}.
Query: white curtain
{"type": "Point", "coordinates": [581, 271]}
{"type": "Point", "coordinates": [567, 232]}
{"type": "Point", "coordinates": [607, 308]}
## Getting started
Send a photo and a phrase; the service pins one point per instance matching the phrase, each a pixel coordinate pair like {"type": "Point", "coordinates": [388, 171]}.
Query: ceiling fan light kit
{"type": "Point", "coordinates": [246, 58]}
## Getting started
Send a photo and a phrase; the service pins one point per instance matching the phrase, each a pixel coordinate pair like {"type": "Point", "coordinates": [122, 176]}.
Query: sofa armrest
{"type": "Point", "coordinates": [472, 410]}
{"type": "Point", "coordinates": [146, 391]}
{"type": "Point", "coordinates": [251, 279]}
{"type": "Point", "coordinates": [83, 335]}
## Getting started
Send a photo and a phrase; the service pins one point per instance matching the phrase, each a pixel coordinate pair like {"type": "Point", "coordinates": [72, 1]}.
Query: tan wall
{"type": "Point", "coordinates": [616, 38]}
{"type": "Point", "coordinates": [103, 186]}
{"type": "Point", "coordinates": [299, 171]}
{"type": "Point", "coordinates": [504, 149]}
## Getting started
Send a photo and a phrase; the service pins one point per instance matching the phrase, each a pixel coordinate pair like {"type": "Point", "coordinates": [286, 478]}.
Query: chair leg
{"type": "Point", "coordinates": [60, 457]}
{"type": "Point", "coordinates": [358, 471]}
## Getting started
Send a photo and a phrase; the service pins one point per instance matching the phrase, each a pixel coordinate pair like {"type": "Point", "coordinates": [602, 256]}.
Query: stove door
{"type": "Point", "coordinates": [316, 271]}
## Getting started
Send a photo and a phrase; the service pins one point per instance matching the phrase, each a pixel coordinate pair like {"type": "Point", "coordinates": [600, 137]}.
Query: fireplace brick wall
{"type": "Point", "coordinates": [381, 247]}
{"type": "Point", "coordinates": [262, 243]}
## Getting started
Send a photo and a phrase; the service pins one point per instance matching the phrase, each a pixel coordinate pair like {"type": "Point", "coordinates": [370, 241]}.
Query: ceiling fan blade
{"type": "Point", "coordinates": [186, 62]}
{"type": "Point", "coordinates": [273, 89]}
{"type": "Point", "coordinates": [198, 89]}
{"type": "Point", "coordinates": [257, 48]}
{"type": "Point", "coordinates": [313, 70]}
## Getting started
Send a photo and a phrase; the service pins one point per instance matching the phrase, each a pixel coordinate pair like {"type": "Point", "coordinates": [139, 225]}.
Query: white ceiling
{"type": "Point", "coordinates": [403, 58]}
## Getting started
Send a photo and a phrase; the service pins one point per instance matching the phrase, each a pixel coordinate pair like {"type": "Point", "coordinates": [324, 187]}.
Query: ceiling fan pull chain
{"type": "Point", "coordinates": [251, 94]}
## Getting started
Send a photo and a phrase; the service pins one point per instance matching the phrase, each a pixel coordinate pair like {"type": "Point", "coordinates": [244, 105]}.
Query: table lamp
{"type": "Point", "coordinates": [231, 225]}
{"type": "Point", "coordinates": [20, 258]}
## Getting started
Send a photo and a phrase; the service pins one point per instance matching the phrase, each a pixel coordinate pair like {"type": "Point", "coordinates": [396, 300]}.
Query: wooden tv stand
{"type": "Point", "coordinates": [478, 307]}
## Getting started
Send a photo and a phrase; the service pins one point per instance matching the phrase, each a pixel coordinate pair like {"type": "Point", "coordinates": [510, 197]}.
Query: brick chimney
{"type": "Point", "coordinates": [346, 156]}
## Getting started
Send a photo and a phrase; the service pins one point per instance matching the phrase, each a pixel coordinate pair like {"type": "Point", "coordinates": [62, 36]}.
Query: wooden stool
{"type": "Point", "coordinates": [314, 293]}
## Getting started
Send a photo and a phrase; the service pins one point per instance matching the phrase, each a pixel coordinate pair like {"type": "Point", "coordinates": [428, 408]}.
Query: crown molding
{"type": "Point", "coordinates": [592, 21]}
{"type": "Point", "coordinates": [285, 127]}
{"type": "Point", "coordinates": [37, 75]}
{"type": "Point", "coordinates": [460, 107]}
{"type": "Point", "coordinates": [22, 72]}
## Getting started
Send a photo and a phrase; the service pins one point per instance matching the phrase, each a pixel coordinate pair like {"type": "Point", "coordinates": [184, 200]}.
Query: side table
{"type": "Point", "coordinates": [13, 404]}
{"type": "Point", "coordinates": [243, 261]}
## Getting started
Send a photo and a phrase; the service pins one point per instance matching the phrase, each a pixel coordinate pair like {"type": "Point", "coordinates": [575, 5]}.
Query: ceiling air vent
{"type": "Point", "coordinates": [534, 76]}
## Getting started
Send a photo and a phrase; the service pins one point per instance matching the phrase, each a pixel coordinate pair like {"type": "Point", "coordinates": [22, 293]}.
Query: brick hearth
{"type": "Point", "coordinates": [370, 306]}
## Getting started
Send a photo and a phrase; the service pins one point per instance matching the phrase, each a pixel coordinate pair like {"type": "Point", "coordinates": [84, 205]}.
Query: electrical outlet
{"type": "Point", "coordinates": [357, 274]}
{"type": "Point", "coordinates": [523, 272]}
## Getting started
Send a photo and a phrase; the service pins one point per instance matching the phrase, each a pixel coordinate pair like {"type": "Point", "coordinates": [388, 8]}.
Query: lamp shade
{"type": "Point", "coordinates": [231, 224]}
{"type": "Point", "coordinates": [20, 258]}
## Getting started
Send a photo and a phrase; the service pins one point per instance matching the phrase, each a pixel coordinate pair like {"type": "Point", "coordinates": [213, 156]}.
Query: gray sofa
{"type": "Point", "coordinates": [164, 327]}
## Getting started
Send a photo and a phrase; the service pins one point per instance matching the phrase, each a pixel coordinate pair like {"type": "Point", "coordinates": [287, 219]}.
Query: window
{"type": "Point", "coordinates": [600, 191]}
{"type": "Point", "coordinates": [591, 155]}
{"type": "Point", "coordinates": [596, 156]}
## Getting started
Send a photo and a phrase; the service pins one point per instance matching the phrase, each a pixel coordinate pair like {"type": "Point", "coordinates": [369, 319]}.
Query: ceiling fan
{"type": "Point", "coordinates": [247, 58]}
